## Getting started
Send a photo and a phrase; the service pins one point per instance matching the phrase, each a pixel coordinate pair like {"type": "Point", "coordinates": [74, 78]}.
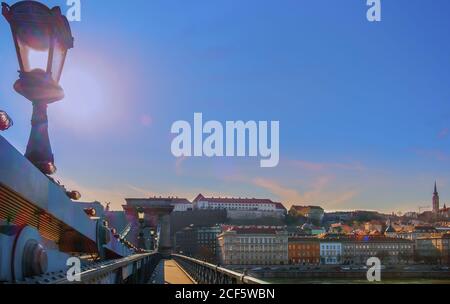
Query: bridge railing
{"type": "Point", "coordinates": [136, 269]}
{"type": "Point", "coordinates": [207, 273]}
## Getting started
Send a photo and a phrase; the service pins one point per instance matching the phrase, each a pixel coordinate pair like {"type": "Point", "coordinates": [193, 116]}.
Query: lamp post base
{"type": "Point", "coordinates": [39, 150]}
{"type": "Point", "coordinates": [38, 87]}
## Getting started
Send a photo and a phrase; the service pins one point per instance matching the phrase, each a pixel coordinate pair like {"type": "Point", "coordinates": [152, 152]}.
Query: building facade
{"type": "Point", "coordinates": [356, 250]}
{"type": "Point", "coordinates": [434, 249]}
{"type": "Point", "coordinates": [180, 204]}
{"type": "Point", "coordinates": [304, 251]}
{"type": "Point", "coordinates": [313, 213]}
{"type": "Point", "coordinates": [198, 242]}
{"type": "Point", "coordinates": [253, 245]}
{"type": "Point", "coordinates": [373, 226]}
{"type": "Point", "coordinates": [186, 241]}
{"type": "Point", "coordinates": [419, 231]}
{"type": "Point", "coordinates": [241, 208]}
{"type": "Point", "coordinates": [330, 251]}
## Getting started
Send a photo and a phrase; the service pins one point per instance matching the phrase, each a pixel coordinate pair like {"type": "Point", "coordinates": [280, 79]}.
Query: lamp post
{"type": "Point", "coordinates": [141, 218]}
{"type": "Point", "coordinates": [152, 235]}
{"type": "Point", "coordinates": [42, 37]}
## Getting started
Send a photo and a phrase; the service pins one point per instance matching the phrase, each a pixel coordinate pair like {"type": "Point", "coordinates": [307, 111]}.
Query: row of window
{"type": "Point", "coordinates": [305, 261]}
{"type": "Point", "coordinates": [307, 247]}
{"type": "Point", "coordinates": [247, 249]}
{"type": "Point", "coordinates": [302, 253]}
{"type": "Point", "coordinates": [256, 240]}
{"type": "Point", "coordinates": [334, 247]}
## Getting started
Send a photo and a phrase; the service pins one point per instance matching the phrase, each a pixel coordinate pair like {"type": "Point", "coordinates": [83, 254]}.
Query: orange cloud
{"type": "Point", "coordinates": [318, 193]}
{"type": "Point", "coordinates": [313, 166]}
{"type": "Point", "coordinates": [115, 195]}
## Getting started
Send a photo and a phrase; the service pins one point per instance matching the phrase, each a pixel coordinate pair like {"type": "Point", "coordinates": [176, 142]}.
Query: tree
{"type": "Point", "coordinates": [206, 254]}
{"type": "Point", "coordinates": [418, 258]}
{"type": "Point", "coordinates": [383, 255]}
{"type": "Point", "coordinates": [406, 257]}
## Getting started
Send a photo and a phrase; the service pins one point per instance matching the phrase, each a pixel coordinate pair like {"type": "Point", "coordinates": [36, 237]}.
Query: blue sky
{"type": "Point", "coordinates": [363, 107]}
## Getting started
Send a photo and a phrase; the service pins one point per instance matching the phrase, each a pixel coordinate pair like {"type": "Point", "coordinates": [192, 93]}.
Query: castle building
{"type": "Point", "coordinates": [241, 208]}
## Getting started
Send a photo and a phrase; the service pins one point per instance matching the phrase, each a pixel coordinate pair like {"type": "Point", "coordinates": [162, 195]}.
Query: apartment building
{"type": "Point", "coordinates": [253, 245]}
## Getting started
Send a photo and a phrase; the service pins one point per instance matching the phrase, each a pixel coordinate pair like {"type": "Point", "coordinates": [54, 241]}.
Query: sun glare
{"type": "Point", "coordinates": [37, 59]}
{"type": "Point", "coordinates": [92, 100]}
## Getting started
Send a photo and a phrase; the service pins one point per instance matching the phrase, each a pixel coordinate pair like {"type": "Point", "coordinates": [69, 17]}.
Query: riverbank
{"type": "Point", "coordinates": [328, 281]}
{"type": "Point", "coordinates": [352, 277]}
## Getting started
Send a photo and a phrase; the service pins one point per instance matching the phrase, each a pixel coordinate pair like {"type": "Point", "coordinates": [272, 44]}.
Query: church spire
{"type": "Point", "coordinates": [435, 199]}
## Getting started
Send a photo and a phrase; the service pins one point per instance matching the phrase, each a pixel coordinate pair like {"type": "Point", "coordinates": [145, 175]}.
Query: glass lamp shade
{"type": "Point", "coordinates": [33, 46]}
{"type": "Point", "coordinates": [141, 214]}
{"type": "Point", "coordinates": [42, 37]}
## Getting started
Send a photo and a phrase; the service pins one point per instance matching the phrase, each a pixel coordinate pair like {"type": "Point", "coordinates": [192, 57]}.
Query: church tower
{"type": "Point", "coordinates": [435, 200]}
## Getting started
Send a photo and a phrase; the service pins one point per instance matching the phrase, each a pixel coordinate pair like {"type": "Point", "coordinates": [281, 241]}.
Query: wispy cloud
{"type": "Point", "coordinates": [317, 193]}
{"type": "Point", "coordinates": [323, 166]}
{"type": "Point", "coordinates": [115, 195]}
{"type": "Point", "coordinates": [284, 193]}
{"type": "Point", "coordinates": [434, 154]}
{"type": "Point", "coordinates": [141, 191]}
{"type": "Point", "coordinates": [179, 165]}
{"type": "Point", "coordinates": [444, 133]}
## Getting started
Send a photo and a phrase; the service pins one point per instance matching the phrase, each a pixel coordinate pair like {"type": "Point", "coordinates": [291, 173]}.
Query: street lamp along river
{"type": "Point", "coordinates": [42, 37]}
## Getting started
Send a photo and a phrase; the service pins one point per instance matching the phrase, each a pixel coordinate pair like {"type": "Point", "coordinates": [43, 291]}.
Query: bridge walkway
{"type": "Point", "coordinates": [169, 272]}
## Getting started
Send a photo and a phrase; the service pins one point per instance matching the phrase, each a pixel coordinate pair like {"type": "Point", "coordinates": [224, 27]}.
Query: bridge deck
{"type": "Point", "coordinates": [169, 272]}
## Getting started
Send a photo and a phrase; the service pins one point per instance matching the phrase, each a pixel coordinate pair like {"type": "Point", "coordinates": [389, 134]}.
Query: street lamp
{"type": "Point", "coordinates": [141, 215]}
{"type": "Point", "coordinates": [42, 37]}
{"type": "Point", "coordinates": [152, 239]}
{"type": "Point", "coordinates": [141, 218]}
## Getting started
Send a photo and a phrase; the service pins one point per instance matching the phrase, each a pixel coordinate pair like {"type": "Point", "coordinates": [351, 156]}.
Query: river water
{"type": "Point", "coordinates": [355, 281]}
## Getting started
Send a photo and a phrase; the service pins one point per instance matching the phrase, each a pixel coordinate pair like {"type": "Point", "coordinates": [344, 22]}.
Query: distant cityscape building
{"type": "Point", "coordinates": [312, 229]}
{"type": "Point", "coordinates": [181, 204]}
{"type": "Point", "coordinates": [330, 251]}
{"type": "Point", "coordinates": [198, 242]}
{"type": "Point", "coordinates": [340, 228]}
{"type": "Point", "coordinates": [253, 245]}
{"type": "Point", "coordinates": [390, 230]}
{"type": "Point", "coordinates": [304, 251]}
{"type": "Point", "coordinates": [241, 208]}
{"type": "Point", "coordinates": [419, 231]}
{"type": "Point", "coordinates": [358, 249]}
{"type": "Point", "coordinates": [314, 213]}
{"type": "Point", "coordinates": [373, 226]}
{"type": "Point", "coordinates": [296, 231]}
{"type": "Point", "coordinates": [411, 214]}
{"type": "Point", "coordinates": [445, 212]}
{"type": "Point", "coordinates": [434, 249]}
